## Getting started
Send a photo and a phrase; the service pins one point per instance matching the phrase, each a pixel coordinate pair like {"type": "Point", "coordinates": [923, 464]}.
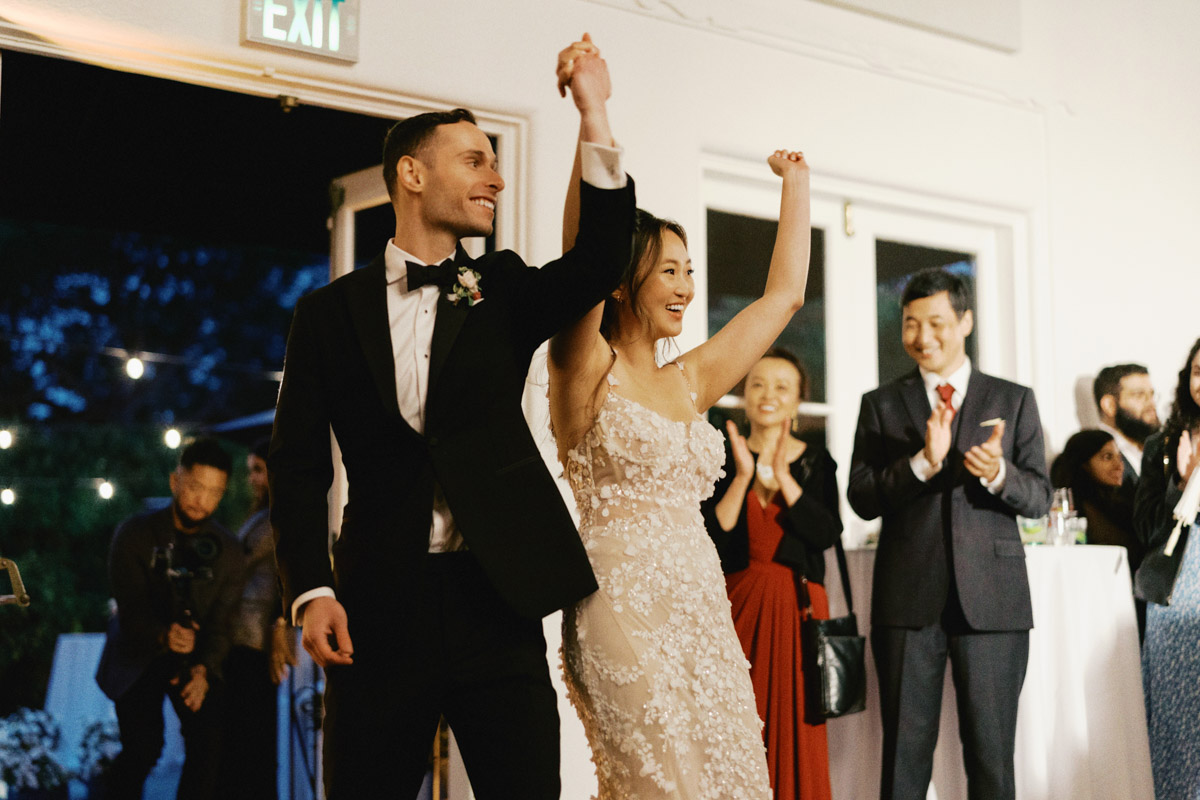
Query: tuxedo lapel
{"type": "Point", "coordinates": [449, 321]}
{"type": "Point", "coordinates": [367, 298]}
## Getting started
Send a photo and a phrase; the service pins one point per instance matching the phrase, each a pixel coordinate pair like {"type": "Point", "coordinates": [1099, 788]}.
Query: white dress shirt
{"type": "Point", "coordinates": [411, 317]}
{"type": "Point", "coordinates": [958, 380]}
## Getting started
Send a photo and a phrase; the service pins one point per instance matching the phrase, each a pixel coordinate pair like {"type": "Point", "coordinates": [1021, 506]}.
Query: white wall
{"type": "Point", "coordinates": [1090, 128]}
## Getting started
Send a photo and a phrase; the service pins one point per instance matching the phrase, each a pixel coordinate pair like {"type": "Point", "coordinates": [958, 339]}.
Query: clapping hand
{"type": "Point", "coordinates": [788, 486]}
{"type": "Point", "coordinates": [1185, 456]}
{"type": "Point", "coordinates": [743, 459]}
{"type": "Point", "coordinates": [937, 435]}
{"type": "Point", "coordinates": [983, 460]}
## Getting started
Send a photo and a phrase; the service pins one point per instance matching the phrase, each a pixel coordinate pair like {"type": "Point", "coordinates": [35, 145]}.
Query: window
{"type": "Point", "coordinates": [867, 241]}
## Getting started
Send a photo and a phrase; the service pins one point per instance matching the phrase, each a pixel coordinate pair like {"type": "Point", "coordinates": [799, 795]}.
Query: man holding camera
{"type": "Point", "coordinates": [173, 574]}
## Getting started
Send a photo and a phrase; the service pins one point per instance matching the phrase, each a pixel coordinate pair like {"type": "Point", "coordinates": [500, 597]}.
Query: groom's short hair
{"type": "Point", "coordinates": [407, 138]}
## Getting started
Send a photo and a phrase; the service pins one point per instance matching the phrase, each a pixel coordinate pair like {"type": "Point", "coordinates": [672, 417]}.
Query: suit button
{"type": "Point", "coordinates": [433, 441]}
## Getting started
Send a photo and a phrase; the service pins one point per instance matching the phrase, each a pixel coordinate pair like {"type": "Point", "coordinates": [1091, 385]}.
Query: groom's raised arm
{"type": "Point", "coordinates": [603, 202]}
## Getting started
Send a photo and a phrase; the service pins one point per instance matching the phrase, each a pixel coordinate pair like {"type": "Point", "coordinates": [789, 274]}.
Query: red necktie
{"type": "Point", "coordinates": [946, 392]}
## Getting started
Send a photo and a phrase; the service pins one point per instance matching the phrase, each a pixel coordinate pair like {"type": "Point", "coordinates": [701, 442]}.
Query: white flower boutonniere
{"type": "Point", "coordinates": [466, 288]}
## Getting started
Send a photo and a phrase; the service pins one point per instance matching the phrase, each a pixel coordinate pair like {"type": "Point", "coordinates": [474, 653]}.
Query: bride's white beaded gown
{"type": "Point", "coordinates": [652, 662]}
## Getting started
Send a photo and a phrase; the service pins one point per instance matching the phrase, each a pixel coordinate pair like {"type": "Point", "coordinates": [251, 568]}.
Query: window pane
{"type": "Point", "coordinates": [739, 253]}
{"type": "Point", "coordinates": [895, 263]}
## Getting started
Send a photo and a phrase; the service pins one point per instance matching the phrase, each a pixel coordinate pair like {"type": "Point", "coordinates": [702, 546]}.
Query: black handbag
{"type": "Point", "coordinates": [834, 657]}
{"type": "Point", "coordinates": [1154, 580]}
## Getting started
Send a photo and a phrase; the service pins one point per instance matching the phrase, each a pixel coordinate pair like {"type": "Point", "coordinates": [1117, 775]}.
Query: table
{"type": "Point", "coordinates": [1081, 723]}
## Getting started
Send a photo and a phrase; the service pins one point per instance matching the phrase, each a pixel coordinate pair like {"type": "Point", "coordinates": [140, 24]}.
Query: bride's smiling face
{"type": "Point", "coordinates": [666, 287]}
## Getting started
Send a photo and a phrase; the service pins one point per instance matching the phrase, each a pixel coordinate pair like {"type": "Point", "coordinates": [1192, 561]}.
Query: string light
{"type": "Point", "coordinates": [134, 368]}
{"type": "Point", "coordinates": [6, 439]}
{"type": "Point", "coordinates": [104, 488]}
{"type": "Point", "coordinates": [172, 438]}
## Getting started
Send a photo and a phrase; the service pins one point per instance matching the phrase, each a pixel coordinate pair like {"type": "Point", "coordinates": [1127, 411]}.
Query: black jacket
{"type": "Point", "coordinates": [339, 372]}
{"type": "Point", "coordinates": [951, 527]}
{"type": "Point", "coordinates": [810, 526]}
{"type": "Point", "coordinates": [1158, 492]}
{"type": "Point", "coordinates": [145, 603]}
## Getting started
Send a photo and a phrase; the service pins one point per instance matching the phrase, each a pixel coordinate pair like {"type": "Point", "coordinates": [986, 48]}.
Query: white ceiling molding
{"type": "Point", "coordinates": [995, 23]}
{"type": "Point", "coordinates": [787, 25]}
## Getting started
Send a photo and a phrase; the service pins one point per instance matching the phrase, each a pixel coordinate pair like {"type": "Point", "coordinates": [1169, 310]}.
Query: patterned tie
{"type": "Point", "coordinates": [946, 392]}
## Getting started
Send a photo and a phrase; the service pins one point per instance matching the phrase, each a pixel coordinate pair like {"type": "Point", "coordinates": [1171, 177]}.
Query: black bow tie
{"type": "Point", "coordinates": [442, 275]}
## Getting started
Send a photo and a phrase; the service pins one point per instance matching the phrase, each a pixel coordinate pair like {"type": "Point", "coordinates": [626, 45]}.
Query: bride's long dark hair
{"type": "Point", "coordinates": [1185, 413]}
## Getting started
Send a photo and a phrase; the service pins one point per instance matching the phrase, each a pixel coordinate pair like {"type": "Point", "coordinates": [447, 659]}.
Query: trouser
{"type": "Point", "coordinates": [462, 653]}
{"type": "Point", "coordinates": [988, 669]}
{"type": "Point", "coordinates": [248, 760]}
{"type": "Point", "coordinates": [140, 717]}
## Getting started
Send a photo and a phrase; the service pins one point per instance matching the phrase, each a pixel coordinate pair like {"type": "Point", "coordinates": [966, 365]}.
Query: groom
{"type": "Point", "coordinates": [455, 540]}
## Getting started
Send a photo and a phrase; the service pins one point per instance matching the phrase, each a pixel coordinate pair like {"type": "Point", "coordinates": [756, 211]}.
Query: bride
{"type": "Point", "coordinates": [651, 660]}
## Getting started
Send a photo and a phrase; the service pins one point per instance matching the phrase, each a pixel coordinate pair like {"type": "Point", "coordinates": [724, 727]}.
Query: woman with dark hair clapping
{"type": "Point", "coordinates": [1169, 579]}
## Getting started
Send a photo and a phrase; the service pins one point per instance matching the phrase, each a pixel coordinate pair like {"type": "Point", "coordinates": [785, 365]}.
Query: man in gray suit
{"type": "Point", "coordinates": [948, 456]}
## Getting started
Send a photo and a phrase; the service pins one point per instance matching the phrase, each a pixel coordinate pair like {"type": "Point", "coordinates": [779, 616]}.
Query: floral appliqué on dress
{"type": "Point", "coordinates": [652, 662]}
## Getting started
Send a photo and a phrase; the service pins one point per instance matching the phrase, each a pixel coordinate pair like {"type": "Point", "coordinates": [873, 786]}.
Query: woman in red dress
{"type": "Point", "coordinates": [772, 517]}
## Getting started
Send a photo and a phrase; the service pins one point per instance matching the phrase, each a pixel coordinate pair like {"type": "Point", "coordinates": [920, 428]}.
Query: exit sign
{"type": "Point", "coordinates": [326, 28]}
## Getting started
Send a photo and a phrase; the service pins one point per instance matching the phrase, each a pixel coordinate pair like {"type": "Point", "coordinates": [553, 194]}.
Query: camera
{"type": "Point", "coordinates": [182, 566]}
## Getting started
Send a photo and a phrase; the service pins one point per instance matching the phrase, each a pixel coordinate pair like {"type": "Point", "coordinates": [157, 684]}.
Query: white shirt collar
{"type": "Point", "coordinates": [395, 263]}
{"type": "Point", "coordinates": [958, 379]}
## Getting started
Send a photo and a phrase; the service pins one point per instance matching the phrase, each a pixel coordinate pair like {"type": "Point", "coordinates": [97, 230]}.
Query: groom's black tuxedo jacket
{"type": "Point", "coordinates": [339, 371]}
{"type": "Point", "coordinates": [952, 522]}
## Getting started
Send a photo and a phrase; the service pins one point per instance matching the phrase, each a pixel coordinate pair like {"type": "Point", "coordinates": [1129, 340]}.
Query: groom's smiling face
{"type": "Point", "coordinates": [462, 181]}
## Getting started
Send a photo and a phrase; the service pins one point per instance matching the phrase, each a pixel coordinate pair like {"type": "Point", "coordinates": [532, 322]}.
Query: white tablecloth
{"type": "Point", "coordinates": [1081, 724]}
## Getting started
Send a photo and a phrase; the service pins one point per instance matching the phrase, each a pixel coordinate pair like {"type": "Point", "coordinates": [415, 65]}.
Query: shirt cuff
{"type": "Point", "coordinates": [922, 468]}
{"type": "Point", "coordinates": [601, 166]}
{"type": "Point", "coordinates": [311, 594]}
{"type": "Point", "coordinates": [997, 484]}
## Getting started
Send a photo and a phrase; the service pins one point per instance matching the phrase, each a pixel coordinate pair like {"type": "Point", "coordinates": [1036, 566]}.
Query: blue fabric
{"type": "Point", "coordinates": [1171, 677]}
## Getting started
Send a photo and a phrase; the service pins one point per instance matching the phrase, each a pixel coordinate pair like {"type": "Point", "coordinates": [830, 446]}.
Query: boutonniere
{"type": "Point", "coordinates": [466, 287]}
